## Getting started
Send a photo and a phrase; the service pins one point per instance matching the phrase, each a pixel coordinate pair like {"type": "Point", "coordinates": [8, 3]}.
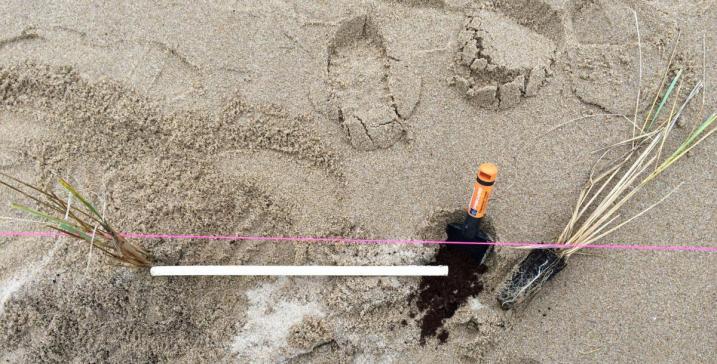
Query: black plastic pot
{"type": "Point", "coordinates": [529, 276]}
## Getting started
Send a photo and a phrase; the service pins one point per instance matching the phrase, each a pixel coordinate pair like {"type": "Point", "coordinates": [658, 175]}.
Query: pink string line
{"type": "Point", "coordinates": [311, 239]}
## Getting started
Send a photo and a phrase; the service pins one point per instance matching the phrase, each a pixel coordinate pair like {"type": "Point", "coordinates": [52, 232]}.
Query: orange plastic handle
{"type": "Point", "coordinates": [482, 188]}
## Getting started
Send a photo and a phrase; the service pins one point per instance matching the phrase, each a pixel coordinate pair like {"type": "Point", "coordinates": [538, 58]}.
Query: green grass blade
{"type": "Point", "coordinates": [33, 212]}
{"type": "Point", "coordinates": [75, 230]}
{"type": "Point", "coordinates": [56, 222]}
{"type": "Point", "coordinates": [669, 91]}
{"type": "Point", "coordinates": [64, 232]}
{"type": "Point", "coordinates": [77, 195]}
{"type": "Point", "coordinates": [701, 129]}
{"type": "Point", "coordinates": [690, 140]}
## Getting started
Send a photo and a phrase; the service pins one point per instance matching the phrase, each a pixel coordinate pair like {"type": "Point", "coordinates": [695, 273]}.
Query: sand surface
{"type": "Point", "coordinates": [351, 118]}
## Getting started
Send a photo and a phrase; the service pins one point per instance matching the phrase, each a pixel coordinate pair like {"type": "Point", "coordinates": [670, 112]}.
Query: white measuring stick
{"type": "Point", "coordinates": [299, 270]}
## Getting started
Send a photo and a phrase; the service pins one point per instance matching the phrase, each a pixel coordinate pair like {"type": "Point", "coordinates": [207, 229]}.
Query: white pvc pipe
{"type": "Point", "coordinates": [301, 270]}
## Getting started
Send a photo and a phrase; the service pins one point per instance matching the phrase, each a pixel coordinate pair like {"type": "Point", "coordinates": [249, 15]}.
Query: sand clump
{"type": "Point", "coordinates": [309, 334]}
{"type": "Point", "coordinates": [493, 70]}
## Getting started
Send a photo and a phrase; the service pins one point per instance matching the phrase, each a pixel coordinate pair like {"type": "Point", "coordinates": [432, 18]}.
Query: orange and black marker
{"type": "Point", "coordinates": [470, 230]}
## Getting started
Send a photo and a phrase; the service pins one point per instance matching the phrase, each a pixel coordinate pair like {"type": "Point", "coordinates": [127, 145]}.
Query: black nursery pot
{"type": "Point", "coordinates": [529, 276]}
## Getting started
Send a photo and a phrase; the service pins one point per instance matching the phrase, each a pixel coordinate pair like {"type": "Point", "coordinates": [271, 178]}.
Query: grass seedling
{"type": "Point", "coordinates": [597, 211]}
{"type": "Point", "coordinates": [81, 221]}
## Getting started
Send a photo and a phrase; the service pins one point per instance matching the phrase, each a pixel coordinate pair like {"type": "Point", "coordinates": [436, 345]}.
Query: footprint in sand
{"type": "Point", "coordinates": [372, 94]}
{"type": "Point", "coordinates": [605, 68]}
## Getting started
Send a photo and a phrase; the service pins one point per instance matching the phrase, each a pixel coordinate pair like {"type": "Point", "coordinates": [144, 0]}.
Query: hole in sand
{"type": "Point", "coordinates": [438, 298]}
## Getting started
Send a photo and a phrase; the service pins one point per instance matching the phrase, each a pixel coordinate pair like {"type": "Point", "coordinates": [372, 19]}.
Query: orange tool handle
{"type": "Point", "coordinates": [482, 189]}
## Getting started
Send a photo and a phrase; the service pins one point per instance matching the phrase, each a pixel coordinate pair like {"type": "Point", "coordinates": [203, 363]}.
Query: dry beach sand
{"type": "Point", "coordinates": [351, 118]}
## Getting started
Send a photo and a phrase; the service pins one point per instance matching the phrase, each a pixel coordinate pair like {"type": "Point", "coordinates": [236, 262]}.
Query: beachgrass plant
{"type": "Point", "coordinates": [81, 221]}
{"type": "Point", "coordinates": [597, 211]}
{"type": "Point", "coordinates": [612, 184]}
